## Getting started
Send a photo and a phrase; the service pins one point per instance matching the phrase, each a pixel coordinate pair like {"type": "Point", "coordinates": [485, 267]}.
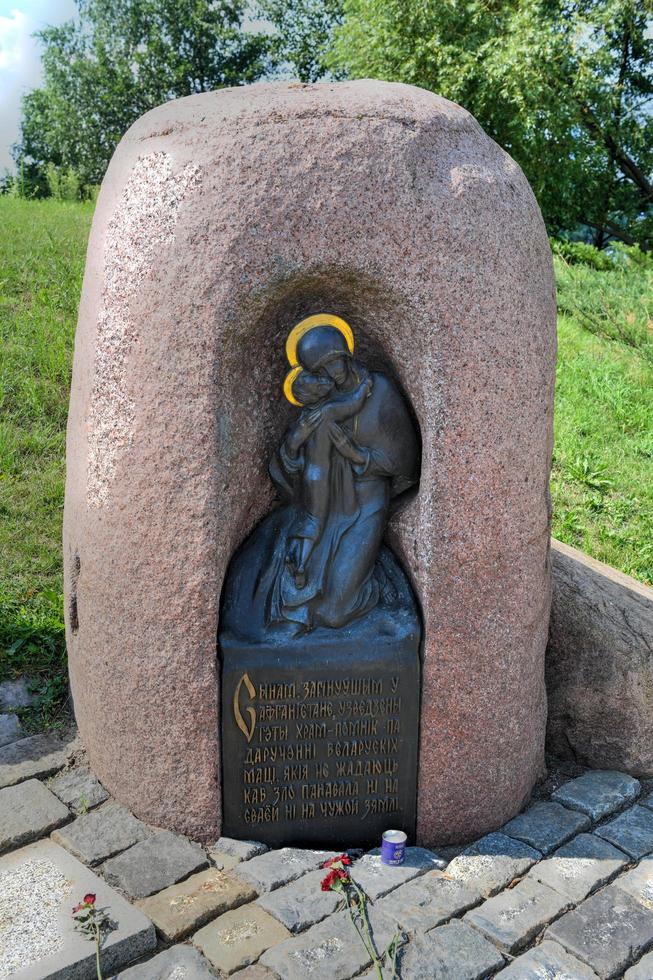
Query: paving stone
{"type": "Point", "coordinates": [639, 883]}
{"type": "Point", "coordinates": [642, 970]}
{"type": "Point", "coordinates": [448, 952]}
{"type": "Point", "coordinates": [79, 789]}
{"type": "Point", "coordinates": [631, 831]}
{"type": "Point", "coordinates": [15, 694]}
{"type": "Point", "coordinates": [155, 864]}
{"type": "Point", "coordinates": [330, 950]}
{"type": "Point", "coordinates": [10, 729]}
{"type": "Point", "coordinates": [238, 938]}
{"type": "Point", "coordinates": [28, 811]}
{"type": "Point", "coordinates": [241, 849]}
{"type": "Point", "coordinates": [223, 862]}
{"type": "Point", "coordinates": [277, 868]}
{"type": "Point", "coordinates": [180, 909]}
{"type": "Point", "coordinates": [255, 972]}
{"type": "Point", "coordinates": [609, 931]}
{"type": "Point", "coordinates": [429, 901]}
{"type": "Point", "coordinates": [177, 963]}
{"type": "Point", "coordinates": [377, 879]}
{"type": "Point", "coordinates": [99, 835]}
{"type": "Point", "coordinates": [546, 826]}
{"type": "Point", "coordinates": [548, 961]}
{"type": "Point", "coordinates": [647, 801]}
{"type": "Point", "coordinates": [301, 903]}
{"type": "Point", "coordinates": [28, 758]}
{"type": "Point", "coordinates": [39, 885]}
{"type": "Point", "coordinates": [514, 917]}
{"type": "Point", "coordinates": [598, 793]}
{"type": "Point", "coordinates": [493, 862]}
{"type": "Point", "coordinates": [580, 866]}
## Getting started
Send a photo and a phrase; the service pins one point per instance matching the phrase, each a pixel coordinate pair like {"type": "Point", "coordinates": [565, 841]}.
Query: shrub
{"type": "Point", "coordinates": [63, 183]}
{"type": "Point", "coordinates": [580, 253]}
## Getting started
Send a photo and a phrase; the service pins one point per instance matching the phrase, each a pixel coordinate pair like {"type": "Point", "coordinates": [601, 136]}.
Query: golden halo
{"type": "Point", "coordinates": [317, 320]}
{"type": "Point", "coordinates": [287, 385]}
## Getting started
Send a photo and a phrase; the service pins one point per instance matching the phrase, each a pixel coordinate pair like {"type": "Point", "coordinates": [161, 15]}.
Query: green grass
{"type": "Point", "coordinates": [602, 480]}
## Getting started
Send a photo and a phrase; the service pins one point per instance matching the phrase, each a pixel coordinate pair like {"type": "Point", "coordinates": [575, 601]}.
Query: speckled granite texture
{"type": "Point", "coordinates": [235, 214]}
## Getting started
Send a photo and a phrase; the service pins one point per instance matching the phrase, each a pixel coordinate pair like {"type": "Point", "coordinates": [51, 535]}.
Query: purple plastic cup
{"type": "Point", "coordinates": [393, 847]}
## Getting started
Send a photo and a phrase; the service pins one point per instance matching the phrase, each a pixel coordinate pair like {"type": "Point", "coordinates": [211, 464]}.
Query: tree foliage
{"type": "Point", "coordinates": [121, 58]}
{"type": "Point", "coordinates": [304, 30]}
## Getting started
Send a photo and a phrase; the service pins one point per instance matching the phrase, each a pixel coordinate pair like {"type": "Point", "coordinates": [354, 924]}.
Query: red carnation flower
{"type": "Point", "coordinates": [339, 859]}
{"type": "Point", "coordinates": [89, 899]}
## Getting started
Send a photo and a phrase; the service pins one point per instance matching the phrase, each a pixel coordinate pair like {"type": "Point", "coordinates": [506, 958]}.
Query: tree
{"type": "Point", "coordinates": [122, 58]}
{"type": "Point", "coordinates": [304, 30]}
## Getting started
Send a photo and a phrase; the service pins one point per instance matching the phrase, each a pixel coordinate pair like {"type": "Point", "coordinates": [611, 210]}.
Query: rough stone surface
{"type": "Point", "coordinates": [179, 909]}
{"type": "Point", "coordinates": [256, 972]}
{"type": "Point", "coordinates": [28, 811]}
{"type": "Point", "coordinates": [154, 864]}
{"type": "Point", "coordinates": [631, 831]}
{"type": "Point", "coordinates": [99, 835]}
{"type": "Point", "coordinates": [453, 950]}
{"type": "Point", "coordinates": [642, 970]}
{"type": "Point", "coordinates": [548, 961]}
{"type": "Point", "coordinates": [514, 918]}
{"type": "Point", "coordinates": [599, 669]}
{"type": "Point", "coordinates": [178, 963]}
{"type": "Point", "coordinates": [276, 868]}
{"type": "Point", "coordinates": [546, 826]}
{"type": "Point", "coordinates": [493, 862]}
{"type": "Point", "coordinates": [580, 867]}
{"type": "Point", "coordinates": [10, 729]}
{"type": "Point", "coordinates": [15, 694]}
{"type": "Point", "coordinates": [377, 879]}
{"type": "Point", "coordinates": [223, 862]}
{"type": "Point", "coordinates": [79, 789]}
{"type": "Point", "coordinates": [427, 902]}
{"type": "Point", "coordinates": [37, 755]}
{"type": "Point", "coordinates": [609, 931]}
{"type": "Point", "coordinates": [39, 884]}
{"type": "Point", "coordinates": [339, 177]}
{"type": "Point", "coordinates": [238, 938]}
{"type": "Point", "coordinates": [647, 801]}
{"type": "Point", "coordinates": [639, 883]}
{"type": "Point", "coordinates": [598, 793]}
{"type": "Point", "coordinates": [241, 849]}
{"type": "Point", "coordinates": [302, 903]}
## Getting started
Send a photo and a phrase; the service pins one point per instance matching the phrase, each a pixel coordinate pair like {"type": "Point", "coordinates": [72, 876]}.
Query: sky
{"type": "Point", "coordinates": [20, 63]}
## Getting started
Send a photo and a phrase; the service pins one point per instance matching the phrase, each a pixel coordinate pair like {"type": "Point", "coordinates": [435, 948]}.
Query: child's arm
{"type": "Point", "coordinates": [344, 406]}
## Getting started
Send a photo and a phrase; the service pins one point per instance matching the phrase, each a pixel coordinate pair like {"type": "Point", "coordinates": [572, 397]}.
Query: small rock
{"type": "Point", "coordinates": [580, 867]}
{"type": "Point", "coordinates": [10, 730]}
{"type": "Point", "coordinates": [28, 811]}
{"type": "Point", "coordinates": [450, 951]}
{"type": "Point", "coordinates": [241, 849]}
{"type": "Point", "coordinates": [178, 910]}
{"type": "Point", "coordinates": [277, 868]}
{"type": "Point", "coordinates": [639, 883]}
{"type": "Point", "coordinates": [598, 793]}
{"type": "Point", "coordinates": [177, 963]}
{"type": "Point", "coordinates": [79, 789]}
{"type": "Point", "coordinates": [642, 970]}
{"type": "Point", "coordinates": [429, 901]}
{"type": "Point", "coordinates": [98, 835]}
{"type": "Point", "coordinates": [514, 917]}
{"type": "Point", "coordinates": [238, 938]}
{"type": "Point", "coordinates": [15, 694]}
{"type": "Point", "coordinates": [546, 826]}
{"type": "Point", "coordinates": [154, 864]}
{"type": "Point", "coordinates": [37, 755]}
{"type": "Point", "coordinates": [377, 879]}
{"type": "Point", "coordinates": [548, 961]}
{"type": "Point", "coordinates": [631, 831]}
{"type": "Point", "coordinates": [301, 903]}
{"type": "Point", "coordinates": [493, 862]}
{"type": "Point", "coordinates": [609, 931]}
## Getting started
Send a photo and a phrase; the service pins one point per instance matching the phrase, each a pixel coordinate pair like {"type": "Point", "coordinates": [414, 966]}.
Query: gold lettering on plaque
{"type": "Point", "coordinates": [240, 721]}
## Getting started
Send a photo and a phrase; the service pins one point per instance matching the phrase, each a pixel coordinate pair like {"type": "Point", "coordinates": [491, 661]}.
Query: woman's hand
{"type": "Point", "coordinates": [346, 446]}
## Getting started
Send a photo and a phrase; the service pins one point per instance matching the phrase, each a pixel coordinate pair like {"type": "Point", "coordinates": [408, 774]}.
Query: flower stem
{"type": "Point", "coordinates": [97, 952]}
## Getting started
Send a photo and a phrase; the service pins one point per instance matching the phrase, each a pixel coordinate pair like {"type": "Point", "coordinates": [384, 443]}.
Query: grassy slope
{"type": "Point", "coordinates": [602, 477]}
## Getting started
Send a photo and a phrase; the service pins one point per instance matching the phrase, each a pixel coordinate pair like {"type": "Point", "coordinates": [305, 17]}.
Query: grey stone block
{"type": "Point", "coordinates": [598, 793]}
{"type": "Point", "coordinates": [639, 883]}
{"type": "Point", "coordinates": [10, 729]}
{"type": "Point", "coordinates": [546, 826]}
{"type": "Point", "coordinates": [15, 694]}
{"type": "Point", "coordinates": [451, 951]}
{"type": "Point", "coordinates": [39, 885]}
{"type": "Point", "coordinates": [276, 868]}
{"type": "Point", "coordinates": [548, 961]}
{"type": "Point", "coordinates": [37, 755]}
{"type": "Point", "coordinates": [155, 864]}
{"type": "Point", "coordinates": [429, 901]}
{"type": "Point", "coordinates": [514, 917]}
{"type": "Point", "coordinates": [79, 789]}
{"type": "Point", "coordinates": [493, 862]}
{"type": "Point", "coordinates": [301, 904]}
{"type": "Point", "coordinates": [642, 970]}
{"type": "Point", "coordinates": [28, 811]}
{"type": "Point", "coordinates": [647, 801]}
{"type": "Point", "coordinates": [244, 850]}
{"type": "Point", "coordinates": [377, 879]}
{"type": "Point", "coordinates": [98, 835]}
{"type": "Point", "coordinates": [177, 963]}
{"type": "Point", "coordinates": [237, 938]}
{"type": "Point", "coordinates": [580, 867]}
{"type": "Point", "coordinates": [256, 972]}
{"type": "Point", "coordinates": [631, 831]}
{"type": "Point", "coordinates": [609, 931]}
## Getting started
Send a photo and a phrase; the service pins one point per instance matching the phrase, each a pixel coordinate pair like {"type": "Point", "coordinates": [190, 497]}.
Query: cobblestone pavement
{"type": "Point", "coordinates": [564, 890]}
